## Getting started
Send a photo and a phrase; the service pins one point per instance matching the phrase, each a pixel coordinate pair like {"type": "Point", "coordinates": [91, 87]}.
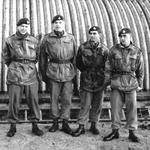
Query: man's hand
{"type": "Point", "coordinates": [108, 88]}
{"type": "Point", "coordinates": [139, 89]}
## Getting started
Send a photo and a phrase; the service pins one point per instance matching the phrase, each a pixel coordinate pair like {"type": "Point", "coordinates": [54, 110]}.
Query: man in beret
{"type": "Point", "coordinates": [58, 69]}
{"type": "Point", "coordinates": [20, 54]}
{"type": "Point", "coordinates": [125, 68]}
{"type": "Point", "coordinates": [91, 58]}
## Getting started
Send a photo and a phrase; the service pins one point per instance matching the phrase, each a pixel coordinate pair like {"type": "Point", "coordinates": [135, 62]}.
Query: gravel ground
{"type": "Point", "coordinates": [25, 140]}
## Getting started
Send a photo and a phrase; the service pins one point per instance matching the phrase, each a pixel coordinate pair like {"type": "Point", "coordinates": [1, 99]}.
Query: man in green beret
{"type": "Point", "coordinates": [20, 54]}
{"type": "Point", "coordinates": [125, 69]}
{"type": "Point", "coordinates": [58, 69]}
{"type": "Point", "coordinates": [91, 58]}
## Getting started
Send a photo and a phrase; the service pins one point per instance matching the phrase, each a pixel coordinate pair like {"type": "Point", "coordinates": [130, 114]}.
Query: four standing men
{"type": "Point", "coordinates": [57, 67]}
{"type": "Point", "coordinates": [124, 69]}
{"type": "Point", "coordinates": [20, 54]}
{"type": "Point", "coordinates": [91, 58]}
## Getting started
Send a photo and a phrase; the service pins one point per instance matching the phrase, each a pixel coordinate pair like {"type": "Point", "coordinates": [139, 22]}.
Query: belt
{"type": "Point", "coordinates": [122, 72]}
{"type": "Point", "coordinates": [60, 61]}
{"type": "Point", "coordinates": [25, 61]}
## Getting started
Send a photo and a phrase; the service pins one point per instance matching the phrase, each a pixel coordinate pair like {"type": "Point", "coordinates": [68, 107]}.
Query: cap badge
{"type": "Point", "coordinates": [94, 28]}
{"type": "Point", "coordinates": [123, 31]}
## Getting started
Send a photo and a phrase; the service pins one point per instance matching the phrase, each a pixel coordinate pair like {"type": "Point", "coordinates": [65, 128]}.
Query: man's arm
{"type": "Point", "coordinates": [140, 71]}
{"type": "Point", "coordinates": [6, 54]}
{"type": "Point", "coordinates": [43, 61]}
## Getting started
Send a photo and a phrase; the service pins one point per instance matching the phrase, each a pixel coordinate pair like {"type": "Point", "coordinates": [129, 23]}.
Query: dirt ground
{"type": "Point", "coordinates": [25, 140]}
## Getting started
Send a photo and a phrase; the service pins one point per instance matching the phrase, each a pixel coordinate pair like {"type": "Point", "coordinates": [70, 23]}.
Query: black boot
{"type": "Point", "coordinates": [113, 135]}
{"type": "Point", "coordinates": [36, 130]}
{"type": "Point", "coordinates": [12, 130]}
{"type": "Point", "coordinates": [133, 137]}
{"type": "Point", "coordinates": [55, 126]}
{"type": "Point", "coordinates": [93, 128]}
{"type": "Point", "coordinates": [65, 127]}
{"type": "Point", "coordinates": [79, 131]}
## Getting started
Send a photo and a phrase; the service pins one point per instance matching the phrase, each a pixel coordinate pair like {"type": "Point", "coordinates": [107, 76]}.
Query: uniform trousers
{"type": "Point", "coordinates": [62, 91]}
{"type": "Point", "coordinates": [31, 94]}
{"type": "Point", "coordinates": [118, 99]}
{"type": "Point", "coordinates": [91, 106]}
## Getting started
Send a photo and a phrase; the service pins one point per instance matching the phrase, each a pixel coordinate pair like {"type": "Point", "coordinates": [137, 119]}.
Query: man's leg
{"type": "Point", "coordinates": [96, 107]}
{"type": "Point", "coordinates": [86, 98]}
{"type": "Point", "coordinates": [31, 93]}
{"type": "Point", "coordinates": [117, 101]}
{"type": "Point", "coordinates": [14, 92]}
{"type": "Point", "coordinates": [131, 115]}
{"type": "Point", "coordinates": [55, 88]}
{"type": "Point", "coordinates": [66, 98]}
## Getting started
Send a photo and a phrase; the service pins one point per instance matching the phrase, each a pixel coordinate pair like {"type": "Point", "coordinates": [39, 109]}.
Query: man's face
{"type": "Point", "coordinates": [94, 36]}
{"type": "Point", "coordinates": [125, 39]}
{"type": "Point", "coordinates": [23, 28]}
{"type": "Point", "coordinates": [59, 25]}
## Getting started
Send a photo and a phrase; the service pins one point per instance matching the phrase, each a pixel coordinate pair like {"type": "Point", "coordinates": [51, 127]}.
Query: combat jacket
{"type": "Point", "coordinates": [20, 55]}
{"type": "Point", "coordinates": [125, 67]}
{"type": "Point", "coordinates": [57, 57]}
{"type": "Point", "coordinates": [91, 62]}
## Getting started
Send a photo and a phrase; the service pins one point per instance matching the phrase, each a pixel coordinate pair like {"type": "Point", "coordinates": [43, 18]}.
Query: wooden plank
{"type": "Point", "coordinates": [75, 105]}
{"type": "Point", "coordinates": [100, 21]}
{"type": "Point", "coordinates": [5, 34]}
{"type": "Point", "coordinates": [131, 22]}
{"type": "Point", "coordinates": [19, 9]}
{"type": "Point", "coordinates": [47, 16]}
{"type": "Point", "coordinates": [86, 15]}
{"type": "Point", "coordinates": [117, 15]}
{"type": "Point", "coordinates": [12, 14]}
{"type": "Point", "coordinates": [67, 16]}
{"type": "Point", "coordinates": [52, 7]}
{"type": "Point", "coordinates": [122, 14]}
{"type": "Point", "coordinates": [112, 21]}
{"type": "Point", "coordinates": [33, 17]}
{"type": "Point", "coordinates": [109, 36]}
{"type": "Point", "coordinates": [75, 26]}
{"type": "Point", "coordinates": [91, 13]}
{"type": "Point", "coordinates": [40, 17]}
{"type": "Point", "coordinates": [1, 28]}
{"type": "Point", "coordinates": [59, 9]}
{"type": "Point", "coordinates": [26, 9]}
{"type": "Point", "coordinates": [81, 22]}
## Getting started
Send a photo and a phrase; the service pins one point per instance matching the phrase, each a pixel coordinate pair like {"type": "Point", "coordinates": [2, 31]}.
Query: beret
{"type": "Point", "coordinates": [95, 28]}
{"type": "Point", "coordinates": [23, 21]}
{"type": "Point", "coordinates": [57, 17]}
{"type": "Point", "coordinates": [125, 31]}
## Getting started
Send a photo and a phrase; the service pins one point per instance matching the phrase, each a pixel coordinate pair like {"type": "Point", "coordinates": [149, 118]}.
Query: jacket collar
{"type": "Point", "coordinates": [89, 45]}
{"type": "Point", "coordinates": [130, 47]}
{"type": "Point", "coordinates": [52, 34]}
{"type": "Point", "coordinates": [20, 36]}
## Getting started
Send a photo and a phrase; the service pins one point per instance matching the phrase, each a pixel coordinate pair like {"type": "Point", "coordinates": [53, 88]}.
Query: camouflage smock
{"type": "Point", "coordinates": [57, 57]}
{"type": "Point", "coordinates": [91, 62]}
{"type": "Point", "coordinates": [125, 67]}
{"type": "Point", "coordinates": [20, 55]}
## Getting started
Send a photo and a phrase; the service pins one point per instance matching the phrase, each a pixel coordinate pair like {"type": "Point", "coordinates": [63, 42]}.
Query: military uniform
{"type": "Point", "coordinates": [57, 67]}
{"type": "Point", "coordinates": [91, 62]}
{"type": "Point", "coordinates": [20, 55]}
{"type": "Point", "coordinates": [126, 69]}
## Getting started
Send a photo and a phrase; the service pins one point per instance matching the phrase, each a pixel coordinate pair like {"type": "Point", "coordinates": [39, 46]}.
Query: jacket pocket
{"type": "Point", "coordinates": [133, 63]}
{"type": "Point", "coordinates": [118, 61]}
{"type": "Point", "coordinates": [13, 75]}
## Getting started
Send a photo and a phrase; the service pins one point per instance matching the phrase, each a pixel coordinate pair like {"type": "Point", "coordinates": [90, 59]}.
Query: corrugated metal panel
{"type": "Point", "coordinates": [110, 15]}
